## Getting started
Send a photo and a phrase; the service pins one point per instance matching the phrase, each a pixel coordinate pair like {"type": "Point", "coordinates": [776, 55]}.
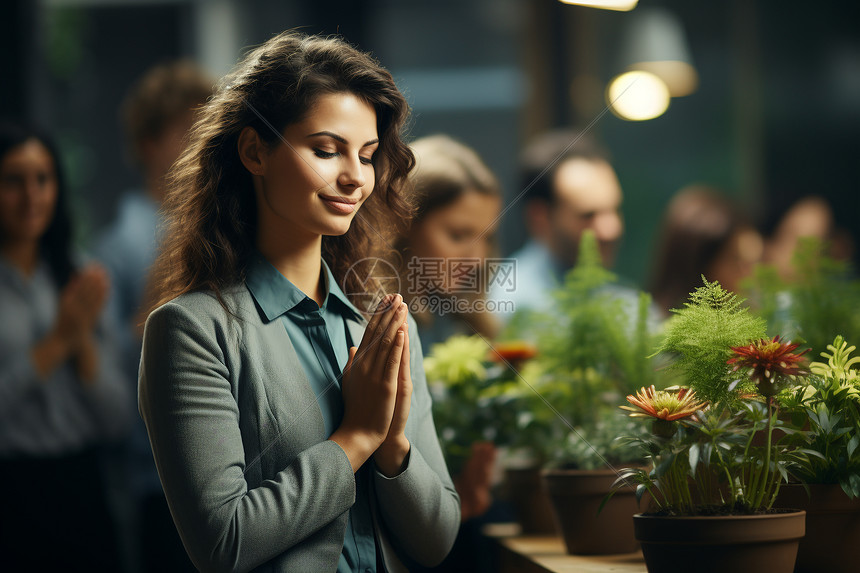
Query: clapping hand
{"type": "Point", "coordinates": [81, 304]}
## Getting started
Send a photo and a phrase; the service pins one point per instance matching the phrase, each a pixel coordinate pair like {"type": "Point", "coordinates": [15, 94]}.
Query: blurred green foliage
{"type": "Point", "coordinates": [820, 300]}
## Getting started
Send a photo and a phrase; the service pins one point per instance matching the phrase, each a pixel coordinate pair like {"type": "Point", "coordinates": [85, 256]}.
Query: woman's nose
{"type": "Point", "coordinates": [352, 174]}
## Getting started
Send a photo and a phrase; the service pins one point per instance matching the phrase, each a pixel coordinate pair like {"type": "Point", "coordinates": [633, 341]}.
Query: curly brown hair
{"type": "Point", "coordinates": [211, 208]}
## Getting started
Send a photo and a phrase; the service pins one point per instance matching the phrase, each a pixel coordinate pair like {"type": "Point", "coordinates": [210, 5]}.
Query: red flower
{"type": "Point", "coordinates": [768, 362]}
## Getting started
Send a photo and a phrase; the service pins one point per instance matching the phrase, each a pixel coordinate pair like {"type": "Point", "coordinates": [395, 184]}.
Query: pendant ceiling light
{"type": "Point", "coordinates": [619, 5]}
{"type": "Point", "coordinates": [655, 42]}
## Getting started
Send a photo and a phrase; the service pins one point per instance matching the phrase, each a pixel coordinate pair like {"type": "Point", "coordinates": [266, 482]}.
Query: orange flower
{"type": "Point", "coordinates": [515, 351]}
{"type": "Point", "coordinates": [664, 404]}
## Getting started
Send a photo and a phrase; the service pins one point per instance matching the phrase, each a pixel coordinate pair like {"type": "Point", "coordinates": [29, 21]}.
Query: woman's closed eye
{"type": "Point", "coordinates": [323, 154]}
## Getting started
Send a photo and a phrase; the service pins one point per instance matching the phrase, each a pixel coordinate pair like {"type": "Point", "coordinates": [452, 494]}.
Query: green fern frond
{"type": "Point", "coordinates": [700, 336]}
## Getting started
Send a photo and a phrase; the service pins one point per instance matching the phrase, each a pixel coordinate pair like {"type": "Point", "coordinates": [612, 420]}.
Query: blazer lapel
{"type": "Point", "coordinates": [290, 395]}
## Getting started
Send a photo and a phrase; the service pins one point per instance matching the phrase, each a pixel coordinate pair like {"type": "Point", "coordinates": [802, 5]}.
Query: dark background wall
{"type": "Point", "coordinates": [776, 115]}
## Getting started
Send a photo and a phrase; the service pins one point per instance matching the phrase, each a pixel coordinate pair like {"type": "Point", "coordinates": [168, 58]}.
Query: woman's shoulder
{"type": "Point", "coordinates": [206, 306]}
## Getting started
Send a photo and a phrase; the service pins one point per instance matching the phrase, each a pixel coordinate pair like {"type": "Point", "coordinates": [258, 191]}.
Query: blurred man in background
{"type": "Point", "coordinates": [156, 114]}
{"type": "Point", "coordinates": [570, 187]}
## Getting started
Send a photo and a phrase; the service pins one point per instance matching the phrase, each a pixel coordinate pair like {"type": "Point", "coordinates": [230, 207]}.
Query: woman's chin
{"type": "Point", "coordinates": [337, 230]}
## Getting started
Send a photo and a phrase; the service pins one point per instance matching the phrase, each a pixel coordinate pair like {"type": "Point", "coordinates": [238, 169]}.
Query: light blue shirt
{"type": "Point", "coordinates": [321, 340]}
{"type": "Point", "coordinates": [56, 414]}
{"type": "Point", "coordinates": [536, 277]}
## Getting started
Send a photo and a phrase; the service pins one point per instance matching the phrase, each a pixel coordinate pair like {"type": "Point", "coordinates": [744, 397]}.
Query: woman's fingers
{"type": "Point", "coordinates": [404, 391]}
{"type": "Point", "coordinates": [405, 374]}
{"type": "Point", "coordinates": [380, 316]}
{"type": "Point", "coordinates": [388, 334]}
{"type": "Point", "coordinates": [392, 364]}
{"type": "Point", "coordinates": [348, 368]}
{"type": "Point", "coordinates": [92, 293]}
{"type": "Point", "coordinates": [376, 345]}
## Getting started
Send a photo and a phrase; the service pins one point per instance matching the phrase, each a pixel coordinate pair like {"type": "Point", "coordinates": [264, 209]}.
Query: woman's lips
{"type": "Point", "coordinates": [339, 204]}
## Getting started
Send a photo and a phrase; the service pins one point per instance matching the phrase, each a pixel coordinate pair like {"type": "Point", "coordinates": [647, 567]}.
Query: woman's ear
{"type": "Point", "coordinates": [252, 151]}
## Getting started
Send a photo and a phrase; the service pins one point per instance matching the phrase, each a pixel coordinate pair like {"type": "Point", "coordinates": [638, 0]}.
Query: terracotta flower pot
{"type": "Point", "coordinates": [576, 497]}
{"type": "Point", "coordinates": [525, 491]}
{"type": "Point", "coordinates": [832, 541]}
{"type": "Point", "coordinates": [720, 544]}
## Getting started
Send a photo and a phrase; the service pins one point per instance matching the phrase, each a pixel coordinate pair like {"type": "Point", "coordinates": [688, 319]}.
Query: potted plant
{"type": "Point", "coordinates": [594, 348]}
{"type": "Point", "coordinates": [474, 393]}
{"type": "Point", "coordinates": [580, 472]}
{"type": "Point", "coordinates": [828, 407]}
{"type": "Point", "coordinates": [718, 450]}
{"type": "Point", "coordinates": [477, 401]}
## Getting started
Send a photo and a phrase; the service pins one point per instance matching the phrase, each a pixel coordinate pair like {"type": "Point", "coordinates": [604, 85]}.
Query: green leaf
{"type": "Point", "coordinates": [693, 458]}
{"type": "Point", "coordinates": [852, 444]}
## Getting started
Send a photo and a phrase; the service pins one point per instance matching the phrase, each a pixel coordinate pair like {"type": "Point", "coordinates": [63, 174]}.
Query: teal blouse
{"type": "Point", "coordinates": [322, 343]}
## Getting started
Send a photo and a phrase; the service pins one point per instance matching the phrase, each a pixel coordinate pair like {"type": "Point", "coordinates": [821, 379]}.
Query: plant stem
{"type": "Point", "coordinates": [731, 482]}
{"type": "Point", "coordinates": [759, 498]}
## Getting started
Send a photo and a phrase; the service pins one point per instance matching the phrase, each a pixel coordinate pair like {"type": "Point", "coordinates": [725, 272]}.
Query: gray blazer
{"type": "Point", "coordinates": [241, 450]}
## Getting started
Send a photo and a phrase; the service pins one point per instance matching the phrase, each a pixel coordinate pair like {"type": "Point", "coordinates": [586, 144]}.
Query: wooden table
{"type": "Point", "coordinates": [546, 554]}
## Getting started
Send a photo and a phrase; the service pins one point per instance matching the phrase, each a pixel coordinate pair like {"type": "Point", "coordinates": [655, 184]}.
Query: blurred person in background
{"type": "Point", "coordinates": [457, 203]}
{"type": "Point", "coordinates": [570, 187]}
{"type": "Point", "coordinates": [62, 395]}
{"type": "Point", "coordinates": [702, 233]}
{"type": "Point", "coordinates": [809, 217]}
{"type": "Point", "coordinates": [156, 115]}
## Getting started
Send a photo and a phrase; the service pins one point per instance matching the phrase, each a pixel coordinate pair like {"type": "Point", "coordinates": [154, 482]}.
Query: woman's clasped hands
{"type": "Point", "coordinates": [377, 390]}
{"type": "Point", "coordinates": [73, 335]}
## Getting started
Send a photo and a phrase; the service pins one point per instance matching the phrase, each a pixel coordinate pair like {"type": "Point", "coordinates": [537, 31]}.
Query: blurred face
{"type": "Point", "coordinates": [28, 192]}
{"type": "Point", "coordinates": [160, 153]}
{"type": "Point", "coordinates": [463, 229]}
{"type": "Point", "coordinates": [737, 259]}
{"type": "Point", "coordinates": [588, 196]}
{"type": "Point", "coordinates": [315, 183]}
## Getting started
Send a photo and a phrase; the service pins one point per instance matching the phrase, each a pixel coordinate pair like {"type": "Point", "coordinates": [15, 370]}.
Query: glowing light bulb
{"type": "Point", "coordinates": [637, 96]}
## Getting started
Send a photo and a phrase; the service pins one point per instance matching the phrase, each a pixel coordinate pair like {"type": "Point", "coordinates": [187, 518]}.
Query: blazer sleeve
{"type": "Point", "coordinates": [192, 418]}
{"type": "Point", "coordinates": [420, 506]}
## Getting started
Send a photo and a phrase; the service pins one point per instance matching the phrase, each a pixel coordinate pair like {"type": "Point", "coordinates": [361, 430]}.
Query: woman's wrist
{"type": "Point", "coordinates": [390, 458]}
{"type": "Point", "coordinates": [357, 446]}
{"type": "Point", "coordinates": [87, 363]}
{"type": "Point", "coordinates": [52, 351]}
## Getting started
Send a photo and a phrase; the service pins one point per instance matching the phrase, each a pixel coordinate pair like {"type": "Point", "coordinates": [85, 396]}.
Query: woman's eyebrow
{"type": "Point", "coordinates": [341, 139]}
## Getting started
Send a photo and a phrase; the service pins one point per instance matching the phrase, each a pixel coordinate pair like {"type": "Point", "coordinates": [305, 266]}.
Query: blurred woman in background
{"type": "Point", "coordinates": [61, 391]}
{"type": "Point", "coordinates": [702, 233]}
{"type": "Point", "coordinates": [457, 204]}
